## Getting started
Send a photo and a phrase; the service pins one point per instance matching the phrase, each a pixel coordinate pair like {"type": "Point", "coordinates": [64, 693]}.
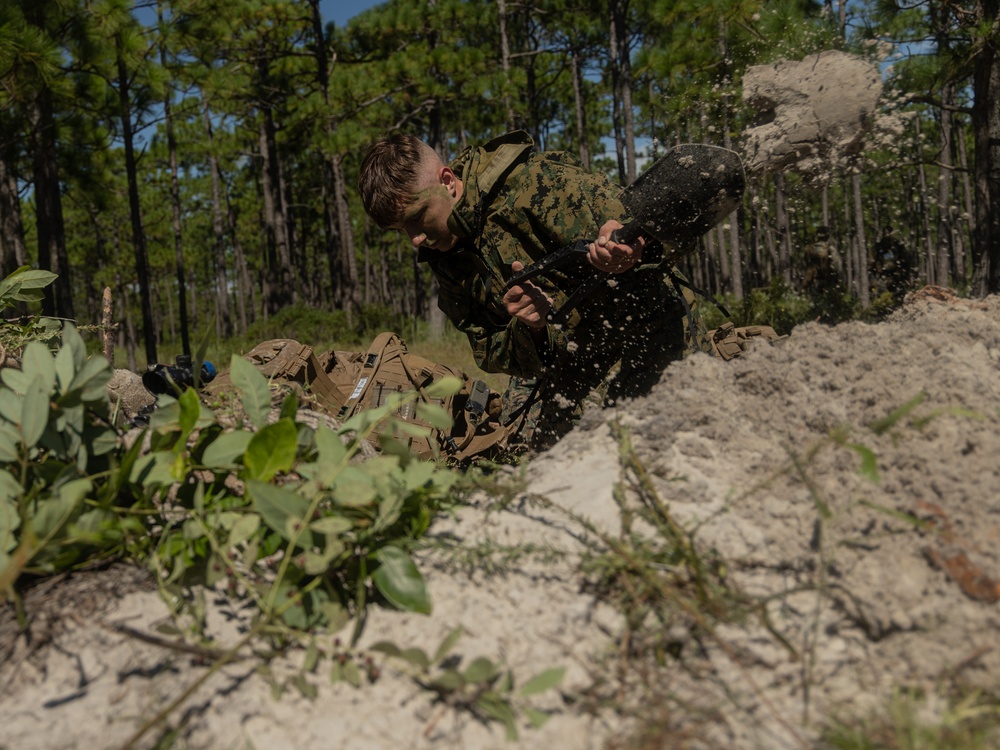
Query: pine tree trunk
{"type": "Point", "coordinates": [505, 64]}
{"type": "Point", "coordinates": [175, 204]}
{"type": "Point", "coordinates": [579, 109]}
{"type": "Point", "coordinates": [986, 127]}
{"type": "Point", "coordinates": [58, 299]}
{"type": "Point", "coordinates": [280, 282]}
{"type": "Point", "coordinates": [864, 290]}
{"type": "Point", "coordinates": [945, 226]}
{"type": "Point", "coordinates": [13, 253]}
{"type": "Point", "coordinates": [621, 84]}
{"type": "Point", "coordinates": [930, 267]}
{"type": "Point", "coordinates": [223, 322]}
{"type": "Point", "coordinates": [969, 213]}
{"type": "Point", "coordinates": [348, 263]}
{"type": "Point", "coordinates": [783, 228]}
{"type": "Point", "coordinates": [245, 296]}
{"type": "Point", "coordinates": [135, 215]}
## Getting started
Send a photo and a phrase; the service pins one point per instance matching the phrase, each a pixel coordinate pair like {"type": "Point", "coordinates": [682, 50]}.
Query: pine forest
{"type": "Point", "coordinates": [200, 157]}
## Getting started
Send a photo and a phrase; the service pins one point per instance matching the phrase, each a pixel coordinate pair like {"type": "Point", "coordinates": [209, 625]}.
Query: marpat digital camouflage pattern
{"type": "Point", "coordinates": [519, 205]}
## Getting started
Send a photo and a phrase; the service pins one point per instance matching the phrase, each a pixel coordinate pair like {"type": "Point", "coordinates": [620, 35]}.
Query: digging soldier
{"type": "Point", "coordinates": [499, 208]}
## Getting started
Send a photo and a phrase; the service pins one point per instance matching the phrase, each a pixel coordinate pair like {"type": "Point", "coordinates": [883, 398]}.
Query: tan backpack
{"type": "Point", "coordinates": [729, 342]}
{"type": "Point", "coordinates": [346, 383]}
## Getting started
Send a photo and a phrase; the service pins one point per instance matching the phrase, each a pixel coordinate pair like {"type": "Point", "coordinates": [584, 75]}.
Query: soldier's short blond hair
{"type": "Point", "coordinates": [389, 175]}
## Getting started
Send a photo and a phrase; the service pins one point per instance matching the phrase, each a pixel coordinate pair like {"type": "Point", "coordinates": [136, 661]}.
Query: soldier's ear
{"type": "Point", "coordinates": [450, 181]}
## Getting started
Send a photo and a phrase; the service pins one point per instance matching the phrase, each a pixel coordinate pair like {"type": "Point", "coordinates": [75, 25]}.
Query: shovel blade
{"type": "Point", "coordinates": [686, 192]}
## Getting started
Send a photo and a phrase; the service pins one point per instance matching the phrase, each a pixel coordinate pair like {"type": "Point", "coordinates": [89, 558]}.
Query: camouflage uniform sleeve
{"type": "Point", "coordinates": [499, 343]}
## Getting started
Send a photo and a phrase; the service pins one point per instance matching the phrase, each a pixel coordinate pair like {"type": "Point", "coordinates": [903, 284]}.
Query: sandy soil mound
{"type": "Point", "coordinates": [871, 581]}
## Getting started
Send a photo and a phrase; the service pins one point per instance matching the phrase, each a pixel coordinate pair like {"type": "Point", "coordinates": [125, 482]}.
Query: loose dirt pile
{"type": "Point", "coordinates": [813, 115]}
{"type": "Point", "coordinates": [872, 582]}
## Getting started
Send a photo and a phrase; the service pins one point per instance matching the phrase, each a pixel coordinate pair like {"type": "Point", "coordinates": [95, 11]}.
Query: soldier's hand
{"type": "Point", "coordinates": [612, 257]}
{"type": "Point", "coordinates": [527, 302]}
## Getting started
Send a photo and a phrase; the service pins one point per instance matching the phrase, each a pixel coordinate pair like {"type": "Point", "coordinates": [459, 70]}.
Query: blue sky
{"type": "Point", "coordinates": [340, 11]}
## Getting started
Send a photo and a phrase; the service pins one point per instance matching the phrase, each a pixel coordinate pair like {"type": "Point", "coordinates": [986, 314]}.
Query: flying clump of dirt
{"type": "Point", "coordinates": [813, 114]}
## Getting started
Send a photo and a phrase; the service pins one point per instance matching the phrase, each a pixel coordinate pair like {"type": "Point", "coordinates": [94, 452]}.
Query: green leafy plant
{"type": "Point", "coordinates": [57, 480]}
{"type": "Point", "coordinates": [25, 286]}
{"type": "Point", "coordinates": [482, 687]}
{"type": "Point", "coordinates": [284, 510]}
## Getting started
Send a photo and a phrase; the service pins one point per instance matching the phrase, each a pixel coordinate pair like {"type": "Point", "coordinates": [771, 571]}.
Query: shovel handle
{"type": "Point", "coordinates": [625, 235]}
{"type": "Point", "coordinates": [628, 234]}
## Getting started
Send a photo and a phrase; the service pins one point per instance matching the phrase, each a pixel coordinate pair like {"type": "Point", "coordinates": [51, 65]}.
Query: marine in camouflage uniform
{"type": "Point", "coordinates": [515, 204]}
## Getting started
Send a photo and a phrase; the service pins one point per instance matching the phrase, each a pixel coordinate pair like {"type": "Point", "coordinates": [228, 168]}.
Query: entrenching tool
{"type": "Point", "coordinates": [682, 195]}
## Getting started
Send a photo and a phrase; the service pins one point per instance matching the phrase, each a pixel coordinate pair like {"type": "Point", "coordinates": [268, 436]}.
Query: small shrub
{"type": "Point", "coordinates": [309, 325]}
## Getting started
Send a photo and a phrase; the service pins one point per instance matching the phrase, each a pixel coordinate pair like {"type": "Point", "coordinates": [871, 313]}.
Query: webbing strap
{"type": "Point", "coordinates": [376, 352]}
{"type": "Point", "coordinates": [323, 387]}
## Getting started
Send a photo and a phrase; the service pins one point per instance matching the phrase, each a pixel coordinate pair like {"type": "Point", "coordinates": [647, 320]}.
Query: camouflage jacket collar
{"type": "Point", "coordinates": [482, 171]}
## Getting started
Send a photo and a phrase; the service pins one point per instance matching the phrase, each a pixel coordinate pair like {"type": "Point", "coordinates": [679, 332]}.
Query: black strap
{"type": "Point", "coordinates": [700, 292]}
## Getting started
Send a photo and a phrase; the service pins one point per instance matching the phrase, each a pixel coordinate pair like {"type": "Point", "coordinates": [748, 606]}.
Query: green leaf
{"type": "Point", "coordinates": [543, 681]}
{"type": "Point", "coordinates": [10, 520]}
{"type": "Point", "coordinates": [354, 488]}
{"type": "Point", "coordinates": [38, 365]}
{"type": "Point", "coordinates": [153, 470]}
{"type": "Point", "coordinates": [24, 285]}
{"type": "Point", "coordinates": [400, 582]}
{"type": "Point", "coordinates": [881, 425]}
{"type": "Point", "coordinates": [17, 380]}
{"type": "Point", "coordinates": [386, 647]}
{"type": "Point", "coordinates": [410, 429]}
{"type": "Point", "coordinates": [389, 510]}
{"type": "Point", "coordinates": [869, 462]}
{"type": "Point", "coordinates": [54, 511]}
{"type": "Point", "coordinates": [254, 389]}
{"type": "Point", "coordinates": [101, 440]}
{"type": "Point", "coordinates": [92, 379]}
{"type": "Point", "coordinates": [72, 341]}
{"type": "Point", "coordinates": [434, 415]}
{"type": "Point", "coordinates": [278, 507]}
{"type": "Point", "coordinates": [332, 452]}
{"type": "Point", "coordinates": [352, 675]}
{"type": "Point", "coordinates": [444, 387]}
{"type": "Point", "coordinates": [317, 563]}
{"type": "Point", "coordinates": [448, 644]}
{"type": "Point", "coordinates": [8, 445]}
{"type": "Point", "coordinates": [418, 474]}
{"type": "Point", "coordinates": [222, 452]}
{"type": "Point", "coordinates": [271, 450]}
{"type": "Point", "coordinates": [536, 718]}
{"type": "Point", "coordinates": [332, 525]}
{"type": "Point", "coordinates": [495, 707]}
{"type": "Point", "coordinates": [481, 670]}
{"type": "Point", "coordinates": [305, 688]}
{"type": "Point", "coordinates": [336, 673]}
{"type": "Point", "coordinates": [449, 680]}
{"type": "Point", "coordinates": [65, 369]}
{"type": "Point", "coordinates": [190, 411]}
{"type": "Point", "coordinates": [335, 615]}
{"type": "Point", "coordinates": [505, 684]}
{"type": "Point", "coordinates": [10, 488]}
{"type": "Point", "coordinates": [10, 404]}
{"type": "Point", "coordinates": [34, 413]}
{"type": "Point", "coordinates": [415, 656]}
{"type": "Point", "coordinates": [311, 658]}
{"type": "Point", "coordinates": [166, 414]}
{"type": "Point", "coordinates": [243, 529]}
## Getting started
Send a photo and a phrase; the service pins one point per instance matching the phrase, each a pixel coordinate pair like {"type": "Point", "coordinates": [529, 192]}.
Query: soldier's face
{"type": "Point", "coordinates": [425, 217]}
